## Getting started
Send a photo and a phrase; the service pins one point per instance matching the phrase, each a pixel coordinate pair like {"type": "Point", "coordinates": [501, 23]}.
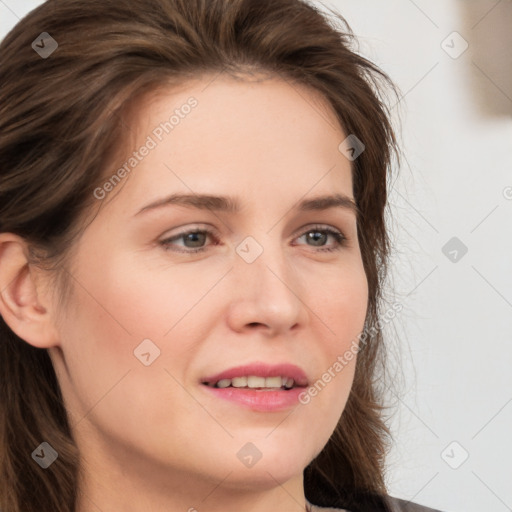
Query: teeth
{"type": "Point", "coordinates": [252, 381]}
{"type": "Point", "coordinates": [224, 383]}
{"type": "Point", "coordinates": [239, 382]}
{"type": "Point", "coordinates": [255, 382]}
{"type": "Point", "coordinates": [273, 382]}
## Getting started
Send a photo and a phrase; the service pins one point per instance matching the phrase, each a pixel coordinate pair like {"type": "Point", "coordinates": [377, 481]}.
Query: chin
{"type": "Point", "coordinates": [271, 463]}
{"type": "Point", "coordinates": [263, 476]}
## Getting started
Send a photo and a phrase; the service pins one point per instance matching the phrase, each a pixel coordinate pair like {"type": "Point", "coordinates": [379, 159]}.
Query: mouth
{"type": "Point", "coordinates": [259, 386]}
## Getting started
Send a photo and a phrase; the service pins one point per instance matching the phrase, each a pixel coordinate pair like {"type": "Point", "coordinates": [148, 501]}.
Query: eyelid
{"type": "Point", "coordinates": [196, 228]}
{"type": "Point", "coordinates": [319, 227]}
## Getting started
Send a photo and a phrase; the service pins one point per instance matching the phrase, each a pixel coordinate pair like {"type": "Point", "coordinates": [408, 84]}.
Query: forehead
{"type": "Point", "coordinates": [223, 135]}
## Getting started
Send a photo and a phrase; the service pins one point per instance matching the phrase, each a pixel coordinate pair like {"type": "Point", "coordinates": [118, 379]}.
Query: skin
{"type": "Point", "coordinates": [151, 437]}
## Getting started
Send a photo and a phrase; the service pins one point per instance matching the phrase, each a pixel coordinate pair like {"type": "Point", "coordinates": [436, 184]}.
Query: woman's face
{"type": "Point", "coordinates": [156, 312]}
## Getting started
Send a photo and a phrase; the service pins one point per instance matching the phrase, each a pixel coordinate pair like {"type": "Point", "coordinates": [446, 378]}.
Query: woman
{"type": "Point", "coordinates": [192, 250]}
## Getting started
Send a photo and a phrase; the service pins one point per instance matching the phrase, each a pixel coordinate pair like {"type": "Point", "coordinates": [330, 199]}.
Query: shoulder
{"type": "Point", "coordinates": [393, 504]}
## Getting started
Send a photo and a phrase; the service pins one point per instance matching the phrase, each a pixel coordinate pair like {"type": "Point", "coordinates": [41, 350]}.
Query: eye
{"type": "Point", "coordinates": [194, 240]}
{"type": "Point", "coordinates": [319, 234]}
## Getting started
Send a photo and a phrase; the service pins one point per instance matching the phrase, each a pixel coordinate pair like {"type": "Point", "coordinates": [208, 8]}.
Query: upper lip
{"type": "Point", "coordinates": [261, 370]}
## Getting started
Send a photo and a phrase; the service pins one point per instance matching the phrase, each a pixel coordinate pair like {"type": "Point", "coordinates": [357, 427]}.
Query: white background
{"type": "Point", "coordinates": [453, 339]}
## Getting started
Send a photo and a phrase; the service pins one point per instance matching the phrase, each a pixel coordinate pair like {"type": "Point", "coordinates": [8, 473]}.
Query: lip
{"type": "Point", "coordinates": [258, 400]}
{"type": "Point", "coordinates": [259, 369]}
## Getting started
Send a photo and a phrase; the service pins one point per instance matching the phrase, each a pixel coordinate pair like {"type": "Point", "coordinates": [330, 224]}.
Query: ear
{"type": "Point", "coordinates": [23, 305]}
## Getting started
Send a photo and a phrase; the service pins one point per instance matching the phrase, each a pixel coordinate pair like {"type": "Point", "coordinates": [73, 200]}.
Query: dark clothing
{"type": "Point", "coordinates": [392, 504]}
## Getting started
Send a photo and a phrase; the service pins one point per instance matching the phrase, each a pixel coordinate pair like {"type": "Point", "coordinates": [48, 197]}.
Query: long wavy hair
{"type": "Point", "coordinates": [60, 122]}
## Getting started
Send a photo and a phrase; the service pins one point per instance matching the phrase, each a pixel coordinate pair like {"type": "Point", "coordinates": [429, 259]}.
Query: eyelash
{"type": "Point", "coordinates": [341, 239]}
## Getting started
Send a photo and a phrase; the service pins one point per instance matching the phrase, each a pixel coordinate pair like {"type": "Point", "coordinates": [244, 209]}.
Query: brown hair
{"type": "Point", "coordinates": [60, 117]}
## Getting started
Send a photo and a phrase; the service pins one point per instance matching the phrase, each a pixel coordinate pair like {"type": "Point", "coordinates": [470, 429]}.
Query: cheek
{"type": "Point", "coordinates": [118, 306]}
{"type": "Point", "coordinates": [155, 301]}
{"type": "Point", "coordinates": [120, 295]}
{"type": "Point", "coordinates": [341, 309]}
{"type": "Point", "coordinates": [103, 379]}
{"type": "Point", "coordinates": [98, 352]}
{"type": "Point", "coordinates": [341, 304]}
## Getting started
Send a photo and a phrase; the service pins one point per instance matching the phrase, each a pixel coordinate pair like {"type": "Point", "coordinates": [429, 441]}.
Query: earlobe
{"type": "Point", "coordinates": [21, 304]}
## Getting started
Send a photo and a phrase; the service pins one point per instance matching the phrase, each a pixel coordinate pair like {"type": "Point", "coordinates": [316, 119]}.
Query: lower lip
{"type": "Point", "coordinates": [259, 400]}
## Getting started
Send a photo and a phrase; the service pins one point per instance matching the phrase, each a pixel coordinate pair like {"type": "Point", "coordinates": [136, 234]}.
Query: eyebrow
{"type": "Point", "coordinates": [231, 205]}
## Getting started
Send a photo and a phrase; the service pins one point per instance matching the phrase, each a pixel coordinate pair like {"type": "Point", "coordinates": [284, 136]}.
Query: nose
{"type": "Point", "coordinates": [267, 295]}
